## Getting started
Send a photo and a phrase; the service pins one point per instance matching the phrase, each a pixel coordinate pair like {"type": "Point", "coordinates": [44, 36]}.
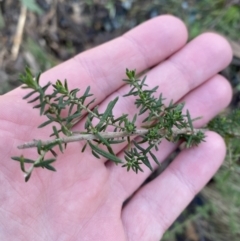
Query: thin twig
{"type": "Point", "coordinates": [106, 135]}
{"type": "Point", "coordinates": [18, 36]}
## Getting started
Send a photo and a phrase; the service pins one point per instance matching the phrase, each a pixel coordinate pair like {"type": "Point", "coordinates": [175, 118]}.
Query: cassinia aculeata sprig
{"type": "Point", "coordinates": [161, 122]}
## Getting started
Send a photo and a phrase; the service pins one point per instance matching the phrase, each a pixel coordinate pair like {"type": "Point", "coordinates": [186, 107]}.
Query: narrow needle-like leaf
{"type": "Point", "coordinates": [189, 120]}
{"type": "Point", "coordinates": [107, 113]}
{"type": "Point", "coordinates": [104, 153]}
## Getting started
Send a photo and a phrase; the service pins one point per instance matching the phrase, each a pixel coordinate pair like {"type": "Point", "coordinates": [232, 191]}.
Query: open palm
{"type": "Point", "coordinates": [84, 199]}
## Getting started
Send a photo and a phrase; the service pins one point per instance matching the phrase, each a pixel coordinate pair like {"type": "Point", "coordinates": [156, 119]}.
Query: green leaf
{"type": "Point", "coordinates": [128, 154]}
{"type": "Point", "coordinates": [154, 158]}
{"type": "Point", "coordinates": [66, 131]}
{"type": "Point", "coordinates": [146, 162]}
{"type": "Point", "coordinates": [170, 106]}
{"type": "Point", "coordinates": [50, 117]}
{"type": "Point", "coordinates": [103, 128]}
{"type": "Point", "coordinates": [44, 88]}
{"type": "Point", "coordinates": [130, 73]}
{"type": "Point", "coordinates": [147, 119]}
{"type": "Point", "coordinates": [27, 177]}
{"type": "Point", "coordinates": [87, 123]}
{"type": "Point", "coordinates": [189, 142]}
{"type": "Point", "coordinates": [103, 140]}
{"type": "Point", "coordinates": [60, 145]}
{"type": "Point", "coordinates": [84, 147]}
{"type": "Point", "coordinates": [197, 118]}
{"type": "Point", "coordinates": [95, 154]}
{"type": "Point", "coordinates": [53, 152]}
{"type": "Point", "coordinates": [42, 108]}
{"type": "Point", "coordinates": [45, 162]}
{"type": "Point", "coordinates": [138, 146]}
{"type": "Point", "coordinates": [22, 164]}
{"type": "Point", "coordinates": [39, 147]}
{"type": "Point", "coordinates": [107, 113]}
{"type": "Point", "coordinates": [51, 168]}
{"type": "Point", "coordinates": [65, 84]}
{"type": "Point", "coordinates": [29, 94]}
{"type": "Point", "coordinates": [19, 159]}
{"type": "Point", "coordinates": [45, 123]}
{"type": "Point", "coordinates": [86, 93]}
{"type": "Point", "coordinates": [143, 110]}
{"type": "Point", "coordinates": [131, 92]}
{"type": "Point", "coordinates": [70, 109]}
{"type": "Point", "coordinates": [123, 117]}
{"type": "Point", "coordinates": [38, 77]}
{"type": "Point", "coordinates": [49, 146]}
{"type": "Point", "coordinates": [27, 79]}
{"type": "Point", "coordinates": [189, 120]}
{"type": "Point", "coordinates": [134, 118]}
{"type": "Point", "coordinates": [55, 131]}
{"type": "Point", "coordinates": [34, 99]}
{"type": "Point", "coordinates": [74, 92]}
{"type": "Point", "coordinates": [143, 81]}
{"type": "Point", "coordinates": [72, 117]}
{"type": "Point", "coordinates": [179, 107]}
{"type": "Point", "coordinates": [54, 134]}
{"type": "Point", "coordinates": [90, 103]}
{"type": "Point", "coordinates": [115, 141]}
{"type": "Point", "coordinates": [134, 93]}
{"type": "Point", "coordinates": [37, 106]}
{"type": "Point", "coordinates": [148, 149]}
{"type": "Point", "coordinates": [104, 153]}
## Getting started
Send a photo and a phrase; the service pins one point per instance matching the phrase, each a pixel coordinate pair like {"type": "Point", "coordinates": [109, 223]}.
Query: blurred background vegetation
{"type": "Point", "coordinates": [43, 33]}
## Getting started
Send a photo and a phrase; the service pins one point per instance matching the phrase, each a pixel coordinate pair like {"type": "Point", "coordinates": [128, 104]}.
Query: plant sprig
{"type": "Point", "coordinates": [64, 108]}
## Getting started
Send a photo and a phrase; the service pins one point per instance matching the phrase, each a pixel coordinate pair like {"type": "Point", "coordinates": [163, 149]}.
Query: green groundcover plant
{"type": "Point", "coordinates": [103, 130]}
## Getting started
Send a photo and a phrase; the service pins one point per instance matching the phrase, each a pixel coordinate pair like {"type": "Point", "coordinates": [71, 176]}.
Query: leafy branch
{"type": "Point", "coordinates": [63, 108]}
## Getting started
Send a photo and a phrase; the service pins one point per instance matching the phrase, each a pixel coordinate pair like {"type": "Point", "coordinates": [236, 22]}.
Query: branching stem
{"type": "Point", "coordinates": [106, 135]}
{"type": "Point", "coordinates": [161, 122]}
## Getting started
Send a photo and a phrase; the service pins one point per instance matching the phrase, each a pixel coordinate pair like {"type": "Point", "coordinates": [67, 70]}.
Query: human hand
{"type": "Point", "coordinates": [83, 200]}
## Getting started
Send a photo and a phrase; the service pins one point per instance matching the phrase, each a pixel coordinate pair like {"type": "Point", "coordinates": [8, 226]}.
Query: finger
{"type": "Point", "coordinates": [155, 206]}
{"type": "Point", "coordinates": [197, 62]}
{"type": "Point", "coordinates": [200, 102]}
{"type": "Point", "coordinates": [203, 101]}
{"type": "Point", "coordinates": [175, 78]}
